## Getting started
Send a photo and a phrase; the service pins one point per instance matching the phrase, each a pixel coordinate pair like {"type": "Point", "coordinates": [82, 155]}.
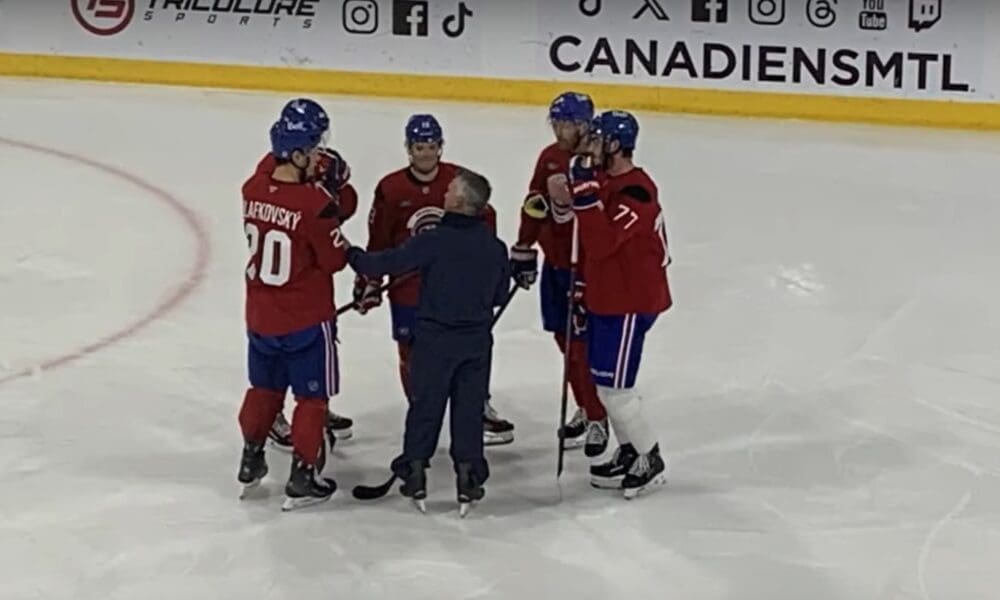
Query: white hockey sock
{"type": "Point", "coordinates": [627, 418]}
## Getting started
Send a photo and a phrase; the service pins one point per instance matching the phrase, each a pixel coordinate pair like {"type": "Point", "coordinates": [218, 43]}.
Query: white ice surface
{"type": "Point", "coordinates": [827, 389]}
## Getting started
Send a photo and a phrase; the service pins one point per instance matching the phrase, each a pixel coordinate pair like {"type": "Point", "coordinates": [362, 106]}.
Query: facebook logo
{"type": "Point", "coordinates": [409, 17]}
{"type": "Point", "coordinates": [709, 11]}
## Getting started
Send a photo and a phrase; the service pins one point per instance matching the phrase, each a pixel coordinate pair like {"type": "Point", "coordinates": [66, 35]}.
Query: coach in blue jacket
{"type": "Point", "coordinates": [464, 274]}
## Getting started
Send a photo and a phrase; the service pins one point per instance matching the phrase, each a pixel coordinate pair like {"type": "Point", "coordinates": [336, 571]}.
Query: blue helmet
{"type": "Point", "coordinates": [287, 136]}
{"type": "Point", "coordinates": [423, 129]}
{"type": "Point", "coordinates": [617, 126]}
{"type": "Point", "coordinates": [304, 109]}
{"type": "Point", "coordinates": [572, 106]}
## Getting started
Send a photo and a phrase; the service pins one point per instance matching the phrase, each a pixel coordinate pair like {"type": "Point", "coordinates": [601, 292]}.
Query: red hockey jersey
{"type": "Point", "coordinates": [346, 197]}
{"type": "Point", "coordinates": [403, 207]}
{"type": "Point", "coordinates": [295, 248]}
{"type": "Point", "coordinates": [627, 252]}
{"type": "Point", "coordinates": [554, 237]}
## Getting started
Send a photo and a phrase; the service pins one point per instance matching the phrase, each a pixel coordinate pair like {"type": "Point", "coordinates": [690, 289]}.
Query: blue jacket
{"type": "Point", "coordinates": [464, 274]}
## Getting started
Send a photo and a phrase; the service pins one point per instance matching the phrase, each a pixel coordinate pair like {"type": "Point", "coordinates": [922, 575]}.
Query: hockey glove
{"type": "Point", "coordinates": [333, 171]}
{"type": "Point", "coordinates": [524, 266]}
{"type": "Point", "coordinates": [535, 206]}
{"type": "Point", "coordinates": [585, 187]}
{"type": "Point", "coordinates": [367, 293]}
{"type": "Point", "coordinates": [579, 316]}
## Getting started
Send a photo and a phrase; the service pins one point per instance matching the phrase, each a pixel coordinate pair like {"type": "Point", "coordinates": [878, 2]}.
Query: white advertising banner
{"type": "Point", "coordinates": [920, 49]}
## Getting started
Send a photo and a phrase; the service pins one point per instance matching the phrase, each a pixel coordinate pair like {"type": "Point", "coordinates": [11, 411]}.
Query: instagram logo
{"type": "Point", "coordinates": [767, 12]}
{"type": "Point", "coordinates": [361, 16]}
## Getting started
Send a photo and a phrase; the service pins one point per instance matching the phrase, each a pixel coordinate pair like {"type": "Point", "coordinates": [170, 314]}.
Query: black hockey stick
{"type": "Point", "coordinates": [571, 307]}
{"type": "Point", "coordinates": [385, 287]}
{"type": "Point", "coordinates": [374, 492]}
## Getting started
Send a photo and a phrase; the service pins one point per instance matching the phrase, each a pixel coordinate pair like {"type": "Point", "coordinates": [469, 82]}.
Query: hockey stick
{"type": "Point", "coordinates": [571, 306]}
{"type": "Point", "coordinates": [385, 287]}
{"type": "Point", "coordinates": [374, 492]}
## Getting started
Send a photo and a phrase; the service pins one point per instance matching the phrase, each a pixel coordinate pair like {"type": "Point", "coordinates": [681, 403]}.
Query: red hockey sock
{"type": "Point", "coordinates": [404, 366]}
{"type": "Point", "coordinates": [581, 381]}
{"type": "Point", "coordinates": [308, 422]}
{"type": "Point", "coordinates": [260, 408]}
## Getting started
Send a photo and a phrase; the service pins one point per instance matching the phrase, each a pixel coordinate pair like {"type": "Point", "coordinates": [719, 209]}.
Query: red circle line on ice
{"type": "Point", "coordinates": [171, 299]}
{"type": "Point", "coordinates": [103, 17]}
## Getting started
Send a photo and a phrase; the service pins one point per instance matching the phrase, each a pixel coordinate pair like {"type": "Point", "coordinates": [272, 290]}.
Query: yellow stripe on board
{"type": "Point", "coordinates": [475, 89]}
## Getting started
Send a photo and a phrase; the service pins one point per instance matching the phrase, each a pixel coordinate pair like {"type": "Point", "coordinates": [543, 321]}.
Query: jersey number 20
{"type": "Point", "coordinates": [275, 255]}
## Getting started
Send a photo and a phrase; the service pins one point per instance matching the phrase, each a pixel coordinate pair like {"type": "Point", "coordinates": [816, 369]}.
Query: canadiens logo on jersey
{"type": "Point", "coordinates": [424, 219]}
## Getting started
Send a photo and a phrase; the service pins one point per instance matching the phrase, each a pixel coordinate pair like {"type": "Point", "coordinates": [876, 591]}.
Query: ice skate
{"type": "Point", "coordinates": [280, 434]}
{"type": "Point", "coordinates": [574, 432]}
{"type": "Point", "coordinates": [647, 471]}
{"type": "Point", "coordinates": [469, 490]}
{"type": "Point", "coordinates": [253, 467]}
{"type": "Point", "coordinates": [305, 487]}
{"type": "Point", "coordinates": [610, 475]}
{"type": "Point", "coordinates": [496, 431]}
{"type": "Point", "coordinates": [415, 485]}
{"type": "Point", "coordinates": [339, 426]}
{"type": "Point", "coordinates": [597, 438]}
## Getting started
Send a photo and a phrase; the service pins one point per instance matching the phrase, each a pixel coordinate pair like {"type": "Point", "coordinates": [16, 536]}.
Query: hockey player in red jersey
{"type": "Point", "coordinates": [295, 248]}
{"type": "Point", "coordinates": [622, 229]}
{"type": "Point", "coordinates": [332, 172]}
{"type": "Point", "coordinates": [547, 218]}
{"type": "Point", "coordinates": [407, 202]}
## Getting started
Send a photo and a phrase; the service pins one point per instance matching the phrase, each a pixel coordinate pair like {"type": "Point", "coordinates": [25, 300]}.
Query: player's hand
{"type": "Point", "coordinates": [579, 316]}
{"type": "Point", "coordinates": [585, 187]}
{"type": "Point", "coordinates": [535, 206]}
{"type": "Point", "coordinates": [367, 293]}
{"type": "Point", "coordinates": [524, 266]}
{"type": "Point", "coordinates": [333, 171]}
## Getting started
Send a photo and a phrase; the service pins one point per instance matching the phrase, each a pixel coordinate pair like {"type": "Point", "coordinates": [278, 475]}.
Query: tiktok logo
{"type": "Point", "coordinates": [454, 25]}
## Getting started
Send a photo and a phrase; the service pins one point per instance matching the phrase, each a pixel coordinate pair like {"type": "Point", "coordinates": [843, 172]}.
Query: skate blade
{"type": "Point", "coordinates": [420, 504]}
{"type": "Point", "coordinates": [342, 434]}
{"type": "Point", "coordinates": [463, 509]}
{"type": "Point", "coordinates": [658, 481]}
{"type": "Point", "coordinates": [606, 483]}
{"type": "Point", "coordinates": [291, 504]}
{"type": "Point", "coordinates": [498, 439]}
{"type": "Point", "coordinates": [248, 488]}
{"type": "Point", "coordinates": [279, 447]}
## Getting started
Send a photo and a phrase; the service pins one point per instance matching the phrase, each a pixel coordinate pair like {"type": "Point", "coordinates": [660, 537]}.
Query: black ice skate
{"type": "Point", "coordinates": [597, 438]}
{"type": "Point", "coordinates": [575, 431]}
{"type": "Point", "coordinates": [496, 431]}
{"type": "Point", "coordinates": [339, 426]}
{"type": "Point", "coordinates": [469, 490]}
{"type": "Point", "coordinates": [647, 471]}
{"type": "Point", "coordinates": [280, 434]}
{"type": "Point", "coordinates": [306, 487]}
{"type": "Point", "coordinates": [253, 467]}
{"type": "Point", "coordinates": [609, 475]}
{"type": "Point", "coordinates": [415, 485]}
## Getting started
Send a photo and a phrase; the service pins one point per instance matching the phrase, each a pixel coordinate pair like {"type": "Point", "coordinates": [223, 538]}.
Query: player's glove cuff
{"type": "Point", "coordinates": [524, 266]}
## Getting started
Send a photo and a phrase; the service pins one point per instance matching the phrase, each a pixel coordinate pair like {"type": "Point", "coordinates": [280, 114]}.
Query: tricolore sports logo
{"type": "Point", "coordinates": [103, 17]}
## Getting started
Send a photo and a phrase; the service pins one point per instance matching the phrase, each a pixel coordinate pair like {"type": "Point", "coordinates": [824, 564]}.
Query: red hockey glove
{"type": "Point", "coordinates": [333, 171]}
{"type": "Point", "coordinates": [367, 293]}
